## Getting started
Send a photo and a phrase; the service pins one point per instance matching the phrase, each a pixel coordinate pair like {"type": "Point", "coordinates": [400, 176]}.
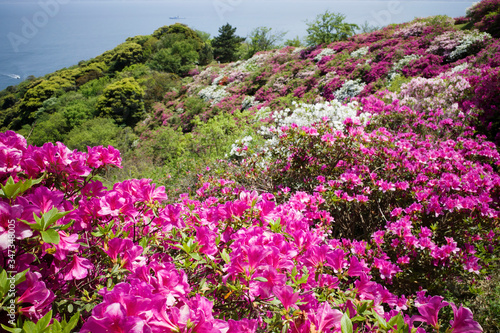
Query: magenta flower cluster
{"type": "Point", "coordinates": [241, 264]}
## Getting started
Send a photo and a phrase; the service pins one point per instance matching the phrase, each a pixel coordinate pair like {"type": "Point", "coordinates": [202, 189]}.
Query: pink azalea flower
{"type": "Point", "coordinates": [336, 260]}
{"type": "Point", "coordinates": [125, 250]}
{"type": "Point", "coordinates": [463, 322]}
{"type": "Point", "coordinates": [66, 245]}
{"type": "Point", "coordinates": [37, 296]}
{"type": "Point", "coordinates": [114, 204]}
{"type": "Point", "coordinates": [45, 199]}
{"type": "Point", "coordinates": [78, 268]}
{"type": "Point", "coordinates": [429, 311]}
{"type": "Point", "coordinates": [242, 326]}
{"type": "Point", "coordinates": [286, 296]}
{"type": "Point", "coordinates": [325, 317]}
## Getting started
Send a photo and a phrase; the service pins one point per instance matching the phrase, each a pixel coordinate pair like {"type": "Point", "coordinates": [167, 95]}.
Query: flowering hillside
{"type": "Point", "coordinates": [359, 192]}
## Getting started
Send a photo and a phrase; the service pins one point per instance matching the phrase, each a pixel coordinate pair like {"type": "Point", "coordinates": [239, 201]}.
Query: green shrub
{"type": "Point", "coordinates": [123, 101]}
{"type": "Point", "coordinates": [94, 132]}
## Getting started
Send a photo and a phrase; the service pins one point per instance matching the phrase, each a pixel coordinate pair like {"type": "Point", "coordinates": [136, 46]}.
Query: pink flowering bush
{"type": "Point", "coordinates": [486, 16]}
{"type": "Point", "coordinates": [226, 260]}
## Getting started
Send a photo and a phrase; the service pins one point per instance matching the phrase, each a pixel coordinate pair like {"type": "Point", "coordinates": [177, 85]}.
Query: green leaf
{"type": "Point", "coordinates": [260, 278]}
{"type": "Point", "coordinates": [51, 217]}
{"type": "Point", "coordinates": [400, 321]}
{"type": "Point", "coordinates": [346, 324]}
{"type": "Point", "coordinates": [303, 279]}
{"type": "Point", "coordinates": [70, 308]}
{"type": "Point", "coordinates": [12, 189]}
{"type": "Point", "coordinates": [143, 242]}
{"type": "Point", "coordinates": [50, 236]}
{"type": "Point", "coordinates": [44, 321]}
{"type": "Point", "coordinates": [380, 320]}
{"type": "Point", "coordinates": [30, 326]}
{"type": "Point", "coordinates": [225, 256]}
{"type": "Point", "coordinates": [4, 284]}
{"type": "Point", "coordinates": [11, 329]}
{"type": "Point", "coordinates": [363, 307]}
{"type": "Point", "coordinates": [20, 277]}
{"type": "Point", "coordinates": [195, 256]}
{"type": "Point", "coordinates": [358, 318]}
{"type": "Point", "coordinates": [72, 323]}
{"type": "Point", "coordinates": [56, 327]}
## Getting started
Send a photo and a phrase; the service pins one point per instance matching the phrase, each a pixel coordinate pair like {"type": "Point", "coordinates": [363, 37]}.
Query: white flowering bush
{"type": "Point", "coordinates": [400, 64]}
{"type": "Point", "coordinates": [303, 114]}
{"type": "Point", "coordinates": [213, 94]}
{"type": "Point", "coordinates": [467, 43]}
{"type": "Point", "coordinates": [253, 63]}
{"type": "Point", "coordinates": [469, 10]}
{"type": "Point", "coordinates": [240, 148]}
{"type": "Point", "coordinates": [324, 53]}
{"type": "Point", "coordinates": [248, 102]}
{"type": "Point", "coordinates": [458, 68]}
{"type": "Point", "coordinates": [360, 52]}
{"type": "Point", "coordinates": [349, 89]}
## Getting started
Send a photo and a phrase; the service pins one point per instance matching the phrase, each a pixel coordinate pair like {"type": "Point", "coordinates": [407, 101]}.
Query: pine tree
{"type": "Point", "coordinates": [226, 44]}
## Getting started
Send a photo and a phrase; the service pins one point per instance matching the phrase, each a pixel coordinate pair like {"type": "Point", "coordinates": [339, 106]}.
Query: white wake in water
{"type": "Point", "coordinates": [12, 76]}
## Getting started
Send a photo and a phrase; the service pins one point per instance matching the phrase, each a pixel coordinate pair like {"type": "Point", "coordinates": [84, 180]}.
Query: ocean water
{"type": "Point", "coordinates": [39, 37]}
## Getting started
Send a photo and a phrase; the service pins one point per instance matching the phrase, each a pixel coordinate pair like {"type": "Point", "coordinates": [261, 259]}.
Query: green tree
{"type": "Point", "coordinates": [178, 59]}
{"type": "Point", "coordinates": [226, 44]}
{"type": "Point", "coordinates": [296, 42]}
{"type": "Point", "coordinates": [123, 101]}
{"type": "Point", "coordinates": [45, 89]}
{"type": "Point", "coordinates": [262, 39]}
{"type": "Point", "coordinates": [366, 27]}
{"type": "Point", "coordinates": [329, 27]}
{"type": "Point", "coordinates": [127, 54]}
{"type": "Point", "coordinates": [179, 29]}
{"type": "Point", "coordinates": [48, 128]}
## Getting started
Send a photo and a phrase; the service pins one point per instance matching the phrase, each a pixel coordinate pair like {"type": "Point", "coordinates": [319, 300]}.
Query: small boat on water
{"type": "Point", "coordinates": [13, 76]}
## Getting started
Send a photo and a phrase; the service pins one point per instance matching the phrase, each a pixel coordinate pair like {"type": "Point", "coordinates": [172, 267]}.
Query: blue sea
{"type": "Point", "coordinates": [39, 37]}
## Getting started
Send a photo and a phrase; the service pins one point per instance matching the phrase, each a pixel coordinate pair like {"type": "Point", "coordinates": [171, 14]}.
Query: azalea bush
{"type": "Point", "coordinates": [225, 260]}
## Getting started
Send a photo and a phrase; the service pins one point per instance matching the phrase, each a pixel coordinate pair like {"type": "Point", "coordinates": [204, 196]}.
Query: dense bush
{"type": "Point", "coordinates": [123, 101]}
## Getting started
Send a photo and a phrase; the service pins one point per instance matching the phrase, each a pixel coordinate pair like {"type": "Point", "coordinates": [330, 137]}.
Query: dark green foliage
{"type": "Point", "coordinates": [7, 101]}
{"type": "Point", "coordinates": [127, 54]}
{"type": "Point", "coordinates": [226, 44]}
{"type": "Point", "coordinates": [193, 106]}
{"type": "Point", "coordinates": [206, 55]}
{"type": "Point", "coordinates": [156, 85]}
{"type": "Point", "coordinates": [179, 29]}
{"type": "Point", "coordinates": [94, 87]}
{"type": "Point", "coordinates": [204, 36]}
{"type": "Point", "coordinates": [485, 16]}
{"type": "Point", "coordinates": [176, 55]}
{"type": "Point", "coordinates": [45, 89]}
{"type": "Point", "coordinates": [123, 101]}
{"type": "Point", "coordinates": [329, 27]}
